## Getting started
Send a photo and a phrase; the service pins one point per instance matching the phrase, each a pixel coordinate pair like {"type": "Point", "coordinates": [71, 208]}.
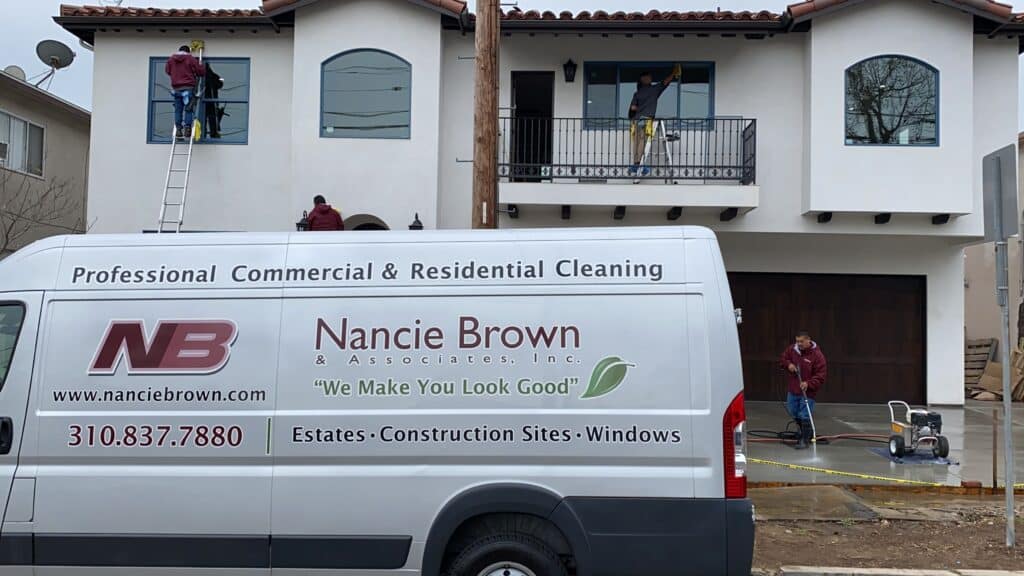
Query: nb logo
{"type": "Point", "coordinates": [174, 347]}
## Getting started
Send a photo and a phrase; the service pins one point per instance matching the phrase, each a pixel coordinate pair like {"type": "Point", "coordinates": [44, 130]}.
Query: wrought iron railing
{"type": "Point", "coordinates": [603, 149]}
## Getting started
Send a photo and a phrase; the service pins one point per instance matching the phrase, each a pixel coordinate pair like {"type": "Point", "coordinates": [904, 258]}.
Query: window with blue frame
{"type": "Point", "coordinates": [365, 93]}
{"type": "Point", "coordinates": [892, 101]}
{"type": "Point", "coordinates": [223, 111]}
{"type": "Point", "coordinates": [609, 88]}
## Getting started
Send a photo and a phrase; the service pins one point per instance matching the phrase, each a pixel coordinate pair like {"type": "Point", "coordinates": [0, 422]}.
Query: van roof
{"type": "Point", "coordinates": [36, 266]}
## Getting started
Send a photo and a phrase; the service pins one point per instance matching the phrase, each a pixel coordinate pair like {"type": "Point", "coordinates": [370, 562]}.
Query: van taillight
{"type": "Point", "coordinates": [734, 443]}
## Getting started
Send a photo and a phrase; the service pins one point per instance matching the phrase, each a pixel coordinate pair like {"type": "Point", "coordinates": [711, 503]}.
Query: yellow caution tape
{"type": "Point", "coordinates": [841, 473]}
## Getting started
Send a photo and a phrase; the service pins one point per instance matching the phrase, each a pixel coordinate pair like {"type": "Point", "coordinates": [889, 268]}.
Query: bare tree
{"type": "Point", "coordinates": [32, 208]}
{"type": "Point", "coordinates": [889, 97]}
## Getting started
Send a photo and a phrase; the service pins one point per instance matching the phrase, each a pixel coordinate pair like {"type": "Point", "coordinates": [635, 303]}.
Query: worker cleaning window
{"type": "Point", "coordinates": [642, 111]}
{"type": "Point", "coordinates": [185, 70]}
{"type": "Point", "coordinates": [806, 371]}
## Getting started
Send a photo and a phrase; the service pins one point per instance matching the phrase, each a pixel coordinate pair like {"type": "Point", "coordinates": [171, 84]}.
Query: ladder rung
{"type": "Point", "coordinates": [178, 170]}
{"type": "Point", "coordinates": [172, 204]}
{"type": "Point", "coordinates": [175, 187]}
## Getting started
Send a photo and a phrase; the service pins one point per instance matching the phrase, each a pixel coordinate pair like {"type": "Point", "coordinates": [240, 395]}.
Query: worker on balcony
{"type": "Point", "coordinates": [184, 70]}
{"type": "Point", "coordinates": [642, 110]}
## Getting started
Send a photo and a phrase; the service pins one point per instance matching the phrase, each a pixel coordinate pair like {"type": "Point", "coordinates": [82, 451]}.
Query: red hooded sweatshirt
{"type": "Point", "coordinates": [184, 70]}
{"type": "Point", "coordinates": [813, 368]}
{"type": "Point", "coordinates": [324, 217]}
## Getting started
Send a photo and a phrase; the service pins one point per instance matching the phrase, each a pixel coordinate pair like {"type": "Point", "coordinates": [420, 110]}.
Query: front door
{"type": "Point", "coordinates": [19, 319]}
{"type": "Point", "coordinates": [533, 108]}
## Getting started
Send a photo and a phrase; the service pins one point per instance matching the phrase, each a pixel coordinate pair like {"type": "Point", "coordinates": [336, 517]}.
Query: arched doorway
{"type": "Point", "coordinates": [365, 222]}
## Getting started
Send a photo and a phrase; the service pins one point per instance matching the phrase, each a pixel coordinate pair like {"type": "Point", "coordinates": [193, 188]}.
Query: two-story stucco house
{"type": "Point", "coordinates": [835, 148]}
{"type": "Point", "coordinates": [44, 164]}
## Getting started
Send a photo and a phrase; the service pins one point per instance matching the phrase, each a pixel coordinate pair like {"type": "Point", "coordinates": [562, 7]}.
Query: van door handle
{"type": "Point", "coordinates": [6, 435]}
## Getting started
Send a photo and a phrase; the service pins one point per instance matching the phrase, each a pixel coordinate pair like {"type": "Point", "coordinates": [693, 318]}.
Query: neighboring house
{"type": "Point", "coordinates": [835, 148]}
{"type": "Point", "coordinates": [981, 310]}
{"type": "Point", "coordinates": [44, 164]}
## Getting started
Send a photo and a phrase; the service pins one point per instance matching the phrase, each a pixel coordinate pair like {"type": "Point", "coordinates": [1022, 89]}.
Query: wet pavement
{"type": "Point", "coordinates": [969, 430]}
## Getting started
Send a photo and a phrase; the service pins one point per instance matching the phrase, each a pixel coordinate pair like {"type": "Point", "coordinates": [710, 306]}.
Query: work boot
{"type": "Point", "coordinates": [804, 434]}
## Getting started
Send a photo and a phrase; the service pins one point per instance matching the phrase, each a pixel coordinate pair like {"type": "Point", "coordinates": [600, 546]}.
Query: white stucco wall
{"type": "Point", "coordinates": [390, 179]}
{"type": "Point", "coordinates": [232, 187]}
{"type": "Point", "coordinates": [937, 259]}
{"type": "Point", "coordinates": [922, 180]}
{"type": "Point", "coordinates": [455, 198]}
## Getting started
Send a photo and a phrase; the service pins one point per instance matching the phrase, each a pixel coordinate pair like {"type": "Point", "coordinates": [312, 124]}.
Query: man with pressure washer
{"type": "Point", "coordinates": [806, 371]}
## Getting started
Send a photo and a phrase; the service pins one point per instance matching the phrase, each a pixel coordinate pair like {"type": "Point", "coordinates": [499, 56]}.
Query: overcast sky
{"type": "Point", "coordinates": [32, 21]}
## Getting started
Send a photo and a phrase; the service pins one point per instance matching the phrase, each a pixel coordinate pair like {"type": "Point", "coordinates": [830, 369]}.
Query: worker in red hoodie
{"type": "Point", "coordinates": [185, 71]}
{"type": "Point", "coordinates": [806, 372]}
{"type": "Point", "coordinates": [324, 217]}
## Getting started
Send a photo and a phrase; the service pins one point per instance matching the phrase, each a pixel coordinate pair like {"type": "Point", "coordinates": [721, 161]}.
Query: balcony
{"type": "Point", "coordinates": [706, 163]}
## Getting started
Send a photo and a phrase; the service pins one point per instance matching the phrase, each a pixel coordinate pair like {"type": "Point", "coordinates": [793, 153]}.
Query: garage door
{"type": "Point", "coordinates": [871, 329]}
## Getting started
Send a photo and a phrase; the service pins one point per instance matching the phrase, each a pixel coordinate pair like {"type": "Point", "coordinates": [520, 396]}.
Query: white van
{"type": "Point", "coordinates": [528, 403]}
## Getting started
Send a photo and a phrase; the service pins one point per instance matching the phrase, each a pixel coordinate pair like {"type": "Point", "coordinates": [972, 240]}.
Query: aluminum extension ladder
{"type": "Point", "coordinates": [172, 205]}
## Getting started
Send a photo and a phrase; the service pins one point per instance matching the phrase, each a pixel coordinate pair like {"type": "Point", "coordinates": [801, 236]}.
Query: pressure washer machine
{"type": "Point", "coordinates": [925, 429]}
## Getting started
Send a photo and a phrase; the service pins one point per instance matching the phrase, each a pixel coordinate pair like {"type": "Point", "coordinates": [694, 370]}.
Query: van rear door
{"type": "Point", "coordinates": [19, 319]}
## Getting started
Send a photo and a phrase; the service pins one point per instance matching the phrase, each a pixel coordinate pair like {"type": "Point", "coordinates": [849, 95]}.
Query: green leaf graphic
{"type": "Point", "coordinates": [607, 375]}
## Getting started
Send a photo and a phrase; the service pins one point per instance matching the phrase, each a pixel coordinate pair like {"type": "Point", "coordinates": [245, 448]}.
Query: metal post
{"type": "Point", "coordinates": [995, 448]}
{"type": "Point", "coordinates": [1003, 294]}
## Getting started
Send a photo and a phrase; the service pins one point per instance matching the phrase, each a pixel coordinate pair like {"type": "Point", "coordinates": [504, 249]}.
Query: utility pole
{"type": "Point", "coordinates": [485, 116]}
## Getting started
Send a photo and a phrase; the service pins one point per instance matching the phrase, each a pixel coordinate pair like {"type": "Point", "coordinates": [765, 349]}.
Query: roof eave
{"type": "Point", "coordinates": [802, 12]}
{"type": "Point", "coordinates": [640, 27]}
{"type": "Point", "coordinates": [42, 96]}
{"type": "Point", "coordinates": [291, 7]}
{"type": "Point", "coordinates": [85, 27]}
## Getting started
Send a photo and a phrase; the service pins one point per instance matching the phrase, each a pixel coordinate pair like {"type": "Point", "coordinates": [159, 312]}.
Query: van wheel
{"type": "Point", "coordinates": [508, 554]}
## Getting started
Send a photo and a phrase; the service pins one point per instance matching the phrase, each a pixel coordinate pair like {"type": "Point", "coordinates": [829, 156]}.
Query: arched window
{"type": "Point", "coordinates": [365, 94]}
{"type": "Point", "coordinates": [892, 100]}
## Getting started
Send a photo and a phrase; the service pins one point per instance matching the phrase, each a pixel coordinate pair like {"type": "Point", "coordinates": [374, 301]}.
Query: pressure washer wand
{"type": "Point", "coordinates": [807, 405]}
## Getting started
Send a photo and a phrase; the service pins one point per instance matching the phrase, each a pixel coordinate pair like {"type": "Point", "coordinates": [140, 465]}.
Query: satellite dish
{"type": "Point", "coordinates": [55, 54]}
{"type": "Point", "coordinates": [15, 71]}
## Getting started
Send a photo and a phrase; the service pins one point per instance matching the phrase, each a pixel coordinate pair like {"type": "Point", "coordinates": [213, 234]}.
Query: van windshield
{"type": "Point", "coordinates": [11, 316]}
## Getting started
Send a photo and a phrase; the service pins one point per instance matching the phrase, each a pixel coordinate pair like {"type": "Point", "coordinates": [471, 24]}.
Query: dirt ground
{"type": "Point", "coordinates": [972, 538]}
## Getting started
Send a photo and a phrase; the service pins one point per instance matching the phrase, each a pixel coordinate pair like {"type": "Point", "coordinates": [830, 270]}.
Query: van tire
{"type": "Point", "coordinates": [516, 549]}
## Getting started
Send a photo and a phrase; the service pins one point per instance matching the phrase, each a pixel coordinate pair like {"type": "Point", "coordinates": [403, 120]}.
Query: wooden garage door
{"type": "Point", "coordinates": [871, 329]}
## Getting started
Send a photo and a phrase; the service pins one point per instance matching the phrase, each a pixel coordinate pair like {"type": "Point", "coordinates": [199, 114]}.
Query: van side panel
{"type": "Point", "coordinates": [152, 430]}
{"type": "Point", "coordinates": [562, 389]}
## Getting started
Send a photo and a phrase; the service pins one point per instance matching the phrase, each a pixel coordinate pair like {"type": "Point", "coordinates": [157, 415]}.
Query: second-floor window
{"type": "Point", "coordinates": [610, 86]}
{"type": "Point", "coordinates": [892, 100]}
{"type": "Point", "coordinates": [223, 111]}
{"type": "Point", "coordinates": [365, 94]}
{"type": "Point", "coordinates": [21, 145]}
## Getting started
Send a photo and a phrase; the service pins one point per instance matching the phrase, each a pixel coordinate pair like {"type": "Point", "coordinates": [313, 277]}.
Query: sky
{"type": "Point", "coordinates": [32, 21]}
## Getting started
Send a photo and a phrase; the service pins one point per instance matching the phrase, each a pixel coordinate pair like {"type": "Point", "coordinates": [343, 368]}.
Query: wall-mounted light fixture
{"type": "Point", "coordinates": [569, 68]}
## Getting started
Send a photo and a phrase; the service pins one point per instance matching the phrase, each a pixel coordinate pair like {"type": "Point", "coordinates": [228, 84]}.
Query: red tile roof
{"type": "Point", "coordinates": [79, 19]}
{"type": "Point", "coordinates": [450, 7]}
{"type": "Point", "coordinates": [67, 11]}
{"type": "Point", "coordinates": [807, 8]}
{"type": "Point", "coordinates": [651, 16]}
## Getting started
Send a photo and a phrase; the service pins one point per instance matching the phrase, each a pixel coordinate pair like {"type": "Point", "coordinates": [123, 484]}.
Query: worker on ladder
{"type": "Point", "coordinates": [642, 110]}
{"type": "Point", "coordinates": [185, 70]}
